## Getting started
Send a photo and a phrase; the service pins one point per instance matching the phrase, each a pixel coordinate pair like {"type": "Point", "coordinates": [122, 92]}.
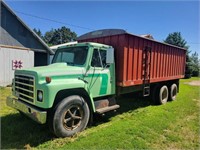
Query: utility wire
{"type": "Point", "coordinates": [192, 43]}
{"type": "Point", "coordinates": [68, 24]}
{"type": "Point", "coordinates": [54, 21]}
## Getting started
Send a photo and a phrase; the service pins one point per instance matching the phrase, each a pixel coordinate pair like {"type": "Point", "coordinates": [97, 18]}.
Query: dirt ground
{"type": "Point", "coordinates": [194, 83]}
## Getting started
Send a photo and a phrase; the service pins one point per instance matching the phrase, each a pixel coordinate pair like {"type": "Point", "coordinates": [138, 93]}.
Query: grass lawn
{"type": "Point", "coordinates": [137, 125]}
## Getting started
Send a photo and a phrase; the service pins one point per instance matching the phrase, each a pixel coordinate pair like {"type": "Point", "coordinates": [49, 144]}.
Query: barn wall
{"type": "Point", "coordinates": [8, 55]}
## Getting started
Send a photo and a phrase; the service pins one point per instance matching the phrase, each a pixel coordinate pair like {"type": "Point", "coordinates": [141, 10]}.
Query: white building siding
{"type": "Point", "coordinates": [7, 56]}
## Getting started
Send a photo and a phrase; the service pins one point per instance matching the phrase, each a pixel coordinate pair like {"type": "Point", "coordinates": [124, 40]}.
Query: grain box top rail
{"type": "Point", "coordinates": [112, 32]}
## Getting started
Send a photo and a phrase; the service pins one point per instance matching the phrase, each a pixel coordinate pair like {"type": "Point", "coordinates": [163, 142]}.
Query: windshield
{"type": "Point", "coordinates": [74, 56]}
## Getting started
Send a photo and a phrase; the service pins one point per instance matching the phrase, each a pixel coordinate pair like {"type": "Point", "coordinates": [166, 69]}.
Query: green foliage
{"type": "Point", "coordinates": [176, 39]}
{"type": "Point", "coordinates": [48, 36]}
{"type": "Point", "coordinates": [62, 35]}
{"type": "Point", "coordinates": [38, 32]}
{"type": "Point", "coordinates": [195, 64]}
{"type": "Point", "coordinates": [57, 36]}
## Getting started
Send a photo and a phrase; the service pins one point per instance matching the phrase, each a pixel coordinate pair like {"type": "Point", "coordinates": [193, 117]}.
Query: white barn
{"type": "Point", "coordinates": [20, 47]}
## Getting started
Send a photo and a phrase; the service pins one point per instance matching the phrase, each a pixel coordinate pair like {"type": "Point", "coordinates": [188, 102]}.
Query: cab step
{"type": "Point", "coordinates": [106, 109]}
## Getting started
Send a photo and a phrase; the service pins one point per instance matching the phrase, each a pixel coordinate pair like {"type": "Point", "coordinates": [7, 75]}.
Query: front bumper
{"type": "Point", "coordinates": [32, 112]}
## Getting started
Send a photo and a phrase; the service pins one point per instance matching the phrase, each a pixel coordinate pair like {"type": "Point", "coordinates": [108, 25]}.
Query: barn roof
{"type": "Point", "coordinates": [7, 39]}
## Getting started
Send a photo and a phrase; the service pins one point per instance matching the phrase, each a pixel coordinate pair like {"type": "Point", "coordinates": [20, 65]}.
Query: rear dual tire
{"type": "Point", "coordinates": [162, 94]}
{"type": "Point", "coordinates": [173, 92]}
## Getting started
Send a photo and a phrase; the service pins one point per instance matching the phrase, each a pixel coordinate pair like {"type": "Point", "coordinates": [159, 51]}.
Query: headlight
{"type": "Point", "coordinates": [39, 96]}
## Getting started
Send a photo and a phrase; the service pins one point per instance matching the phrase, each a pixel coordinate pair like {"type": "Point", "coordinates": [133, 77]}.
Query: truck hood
{"type": "Point", "coordinates": [56, 69]}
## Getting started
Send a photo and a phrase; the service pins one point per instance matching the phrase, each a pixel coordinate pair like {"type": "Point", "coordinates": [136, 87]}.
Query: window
{"type": "Point", "coordinates": [103, 57]}
{"type": "Point", "coordinates": [72, 55]}
{"type": "Point", "coordinates": [65, 57]}
{"type": "Point", "coordinates": [98, 58]}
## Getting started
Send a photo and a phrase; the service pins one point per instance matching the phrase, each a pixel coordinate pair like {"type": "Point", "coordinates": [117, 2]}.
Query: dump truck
{"type": "Point", "coordinates": [87, 77]}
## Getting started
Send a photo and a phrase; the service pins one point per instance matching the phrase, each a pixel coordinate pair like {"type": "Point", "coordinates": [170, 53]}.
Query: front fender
{"type": "Point", "coordinates": [51, 89]}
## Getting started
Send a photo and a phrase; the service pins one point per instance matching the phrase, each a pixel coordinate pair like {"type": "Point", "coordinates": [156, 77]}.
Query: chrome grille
{"type": "Point", "coordinates": [24, 87]}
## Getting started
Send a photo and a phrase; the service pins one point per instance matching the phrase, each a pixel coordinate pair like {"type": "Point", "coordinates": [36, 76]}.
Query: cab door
{"type": "Point", "coordinates": [99, 76]}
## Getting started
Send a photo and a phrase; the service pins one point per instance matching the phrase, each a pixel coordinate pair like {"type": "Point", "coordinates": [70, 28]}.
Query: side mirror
{"type": "Point", "coordinates": [110, 56]}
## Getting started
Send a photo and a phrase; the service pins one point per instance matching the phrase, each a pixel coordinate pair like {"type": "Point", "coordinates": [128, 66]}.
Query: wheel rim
{"type": "Point", "coordinates": [174, 92]}
{"type": "Point", "coordinates": [164, 95]}
{"type": "Point", "coordinates": [72, 118]}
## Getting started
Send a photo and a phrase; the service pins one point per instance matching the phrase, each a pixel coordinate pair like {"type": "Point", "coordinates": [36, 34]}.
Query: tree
{"type": "Point", "coordinates": [59, 36]}
{"type": "Point", "coordinates": [38, 32]}
{"type": "Point", "coordinates": [195, 61]}
{"type": "Point", "coordinates": [48, 36]}
{"type": "Point", "coordinates": [176, 39]}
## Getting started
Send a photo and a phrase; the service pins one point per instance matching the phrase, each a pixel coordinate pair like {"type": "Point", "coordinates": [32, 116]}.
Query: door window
{"type": "Point", "coordinates": [98, 58]}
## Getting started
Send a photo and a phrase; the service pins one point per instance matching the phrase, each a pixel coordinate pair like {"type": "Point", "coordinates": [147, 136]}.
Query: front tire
{"type": "Point", "coordinates": [71, 116]}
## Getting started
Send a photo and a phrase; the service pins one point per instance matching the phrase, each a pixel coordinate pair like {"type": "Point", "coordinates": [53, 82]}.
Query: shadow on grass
{"type": "Point", "coordinates": [127, 102]}
{"type": "Point", "coordinates": [19, 132]}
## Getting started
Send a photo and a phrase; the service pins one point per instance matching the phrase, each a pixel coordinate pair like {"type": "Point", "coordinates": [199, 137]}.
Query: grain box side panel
{"type": "Point", "coordinates": [124, 44]}
{"type": "Point", "coordinates": [155, 61]}
{"type": "Point", "coordinates": [171, 61]}
{"type": "Point", "coordinates": [150, 67]}
{"type": "Point", "coordinates": [167, 61]}
{"type": "Point", "coordinates": [120, 60]}
{"type": "Point", "coordinates": [107, 40]}
{"type": "Point", "coordinates": [161, 61]}
{"type": "Point", "coordinates": [175, 62]}
{"type": "Point", "coordinates": [183, 61]}
{"type": "Point", "coordinates": [159, 57]}
{"type": "Point", "coordinates": [130, 59]}
{"type": "Point", "coordinates": [100, 40]}
{"type": "Point", "coordinates": [148, 43]}
{"type": "Point", "coordinates": [152, 60]}
{"type": "Point", "coordinates": [135, 59]}
{"type": "Point", "coordinates": [178, 62]}
{"type": "Point", "coordinates": [164, 61]}
{"type": "Point", "coordinates": [177, 72]}
{"type": "Point", "coordinates": [173, 57]}
{"type": "Point", "coordinates": [145, 43]}
{"type": "Point", "coordinates": [175, 65]}
{"type": "Point", "coordinates": [139, 69]}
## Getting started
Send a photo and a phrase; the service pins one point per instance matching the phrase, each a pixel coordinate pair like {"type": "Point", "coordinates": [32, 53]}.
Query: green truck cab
{"type": "Point", "coordinates": [65, 94]}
